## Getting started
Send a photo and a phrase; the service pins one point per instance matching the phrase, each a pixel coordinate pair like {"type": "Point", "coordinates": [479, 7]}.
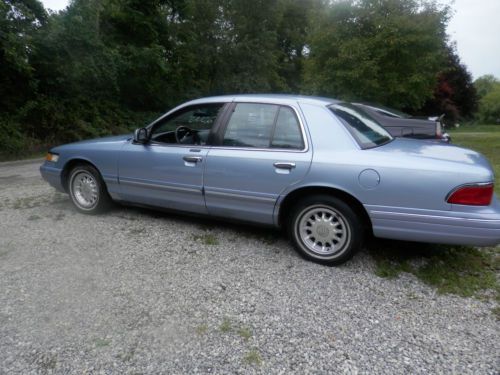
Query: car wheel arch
{"type": "Point", "coordinates": [295, 196]}
{"type": "Point", "coordinates": [72, 163]}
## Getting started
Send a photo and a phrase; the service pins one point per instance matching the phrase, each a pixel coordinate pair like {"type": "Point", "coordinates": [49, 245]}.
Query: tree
{"type": "Point", "coordinates": [387, 51]}
{"type": "Point", "coordinates": [485, 84]}
{"type": "Point", "coordinates": [488, 88]}
{"type": "Point", "coordinates": [19, 20]}
{"type": "Point", "coordinates": [455, 94]}
{"type": "Point", "coordinates": [489, 107]}
{"type": "Point", "coordinates": [292, 40]}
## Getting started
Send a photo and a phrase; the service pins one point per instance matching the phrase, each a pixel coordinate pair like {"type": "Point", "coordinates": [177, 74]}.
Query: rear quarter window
{"type": "Point", "coordinates": [365, 129]}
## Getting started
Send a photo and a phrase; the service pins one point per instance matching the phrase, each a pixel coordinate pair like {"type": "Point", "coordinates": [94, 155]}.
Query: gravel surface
{"type": "Point", "coordinates": [137, 291]}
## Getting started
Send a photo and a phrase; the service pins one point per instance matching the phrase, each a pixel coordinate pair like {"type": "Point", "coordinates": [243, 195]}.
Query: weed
{"type": "Point", "coordinates": [28, 202]}
{"type": "Point", "coordinates": [253, 357]}
{"type": "Point", "coordinates": [245, 333]}
{"type": "Point", "coordinates": [100, 343]}
{"type": "Point", "coordinates": [225, 325]}
{"type": "Point", "coordinates": [136, 230]}
{"type": "Point", "coordinates": [59, 216]}
{"type": "Point", "coordinates": [465, 271]}
{"type": "Point", "coordinates": [201, 329]}
{"type": "Point", "coordinates": [46, 362]}
{"type": "Point", "coordinates": [207, 239]}
{"type": "Point", "coordinates": [496, 312]}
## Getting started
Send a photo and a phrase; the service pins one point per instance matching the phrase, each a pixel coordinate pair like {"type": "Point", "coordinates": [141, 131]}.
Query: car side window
{"type": "Point", "coordinates": [188, 126]}
{"type": "Point", "coordinates": [257, 125]}
{"type": "Point", "coordinates": [250, 125]}
{"type": "Point", "coordinates": [287, 132]}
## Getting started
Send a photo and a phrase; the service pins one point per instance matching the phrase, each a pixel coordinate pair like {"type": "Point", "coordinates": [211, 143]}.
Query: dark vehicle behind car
{"type": "Point", "coordinates": [400, 124]}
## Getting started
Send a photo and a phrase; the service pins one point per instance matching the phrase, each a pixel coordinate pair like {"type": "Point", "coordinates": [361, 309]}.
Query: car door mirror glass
{"type": "Point", "coordinates": [141, 135]}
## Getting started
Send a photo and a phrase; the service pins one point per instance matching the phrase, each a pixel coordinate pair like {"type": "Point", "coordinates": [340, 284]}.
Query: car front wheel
{"type": "Point", "coordinates": [325, 229]}
{"type": "Point", "coordinates": [87, 190]}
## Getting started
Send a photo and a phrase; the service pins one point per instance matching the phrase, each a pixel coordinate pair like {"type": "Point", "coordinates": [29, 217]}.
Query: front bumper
{"type": "Point", "coordinates": [480, 226]}
{"type": "Point", "coordinates": [52, 175]}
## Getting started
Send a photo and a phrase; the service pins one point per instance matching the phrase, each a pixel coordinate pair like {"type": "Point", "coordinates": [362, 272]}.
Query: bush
{"type": "Point", "coordinates": [12, 141]}
{"type": "Point", "coordinates": [489, 107]}
{"type": "Point", "coordinates": [56, 121]}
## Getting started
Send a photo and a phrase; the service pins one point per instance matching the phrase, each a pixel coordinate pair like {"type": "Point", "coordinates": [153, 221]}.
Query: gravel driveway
{"type": "Point", "coordinates": [137, 291]}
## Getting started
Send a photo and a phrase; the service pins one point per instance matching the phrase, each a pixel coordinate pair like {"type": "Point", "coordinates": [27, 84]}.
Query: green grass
{"type": "Point", "coordinates": [207, 239]}
{"type": "Point", "coordinates": [484, 141]}
{"type": "Point", "coordinates": [465, 271]}
{"type": "Point", "coordinates": [253, 357]}
{"type": "Point", "coordinates": [201, 329]}
{"type": "Point", "coordinates": [225, 326]}
{"type": "Point", "coordinates": [473, 128]}
{"type": "Point", "coordinates": [101, 343]}
{"type": "Point", "coordinates": [245, 333]}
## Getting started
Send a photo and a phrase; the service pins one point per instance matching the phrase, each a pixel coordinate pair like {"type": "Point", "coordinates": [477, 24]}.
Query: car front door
{"type": "Point", "coordinates": [167, 171]}
{"type": "Point", "coordinates": [262, 149]}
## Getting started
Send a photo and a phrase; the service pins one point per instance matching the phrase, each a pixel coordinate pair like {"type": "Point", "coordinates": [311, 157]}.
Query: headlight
{"type": "Point", "coordinates": [52, 157]}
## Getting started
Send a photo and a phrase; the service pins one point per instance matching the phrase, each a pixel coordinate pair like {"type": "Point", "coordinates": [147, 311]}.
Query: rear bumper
{"type": "Point", "coordinates": [52, 175]}
{"type": "Point", "coordinates": [479, 227]}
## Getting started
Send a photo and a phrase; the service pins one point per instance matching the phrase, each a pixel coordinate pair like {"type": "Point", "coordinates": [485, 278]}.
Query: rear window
{"type": "Point", "coordinates": [367, 131]}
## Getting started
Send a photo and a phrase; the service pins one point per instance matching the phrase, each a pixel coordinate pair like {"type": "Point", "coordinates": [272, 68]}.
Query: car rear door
{"type": "Point", "coordinates": [262, 149]}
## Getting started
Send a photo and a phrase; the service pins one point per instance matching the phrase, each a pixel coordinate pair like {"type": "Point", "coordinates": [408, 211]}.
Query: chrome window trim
{"type": "Point", "coordinates": [302, 131]}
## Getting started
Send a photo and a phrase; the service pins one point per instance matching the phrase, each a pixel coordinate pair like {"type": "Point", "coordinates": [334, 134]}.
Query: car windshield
{"type": "Point", "coordinates": [367, 132]}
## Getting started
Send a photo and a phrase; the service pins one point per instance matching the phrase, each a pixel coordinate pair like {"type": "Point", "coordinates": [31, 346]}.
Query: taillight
{"type": "Point", "coordinates": [472, 195]}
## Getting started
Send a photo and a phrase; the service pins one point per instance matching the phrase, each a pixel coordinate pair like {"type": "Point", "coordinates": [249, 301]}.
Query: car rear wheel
{"type": "Point", "coordinates": [87, 190]}
{"type": "Point", "coordinates": [325, 229]}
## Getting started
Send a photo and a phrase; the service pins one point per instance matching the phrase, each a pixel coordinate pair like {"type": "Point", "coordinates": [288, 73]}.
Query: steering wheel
{"type": "Point", "coordinates": [181, 132]}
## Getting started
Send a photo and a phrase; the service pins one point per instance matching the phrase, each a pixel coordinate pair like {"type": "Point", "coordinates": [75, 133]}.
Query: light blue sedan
{"type": "Point", "coordinates": [321, 168]}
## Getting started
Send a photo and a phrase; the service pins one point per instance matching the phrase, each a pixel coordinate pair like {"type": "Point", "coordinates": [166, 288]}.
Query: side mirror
{"type": "Point", "coordinates": [141, 135]}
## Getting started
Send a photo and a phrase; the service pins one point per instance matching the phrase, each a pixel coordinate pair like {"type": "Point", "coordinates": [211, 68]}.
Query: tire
{"type": "Point", "coordinates": [325, 230]}
{"type": "Point", "coordinates": [87, 190]}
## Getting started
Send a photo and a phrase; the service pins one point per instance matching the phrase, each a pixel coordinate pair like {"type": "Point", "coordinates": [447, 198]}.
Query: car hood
{"type": "Point", "coordinates": [93, 142]}
{"type": "Point", "coordinates": [114, 138]}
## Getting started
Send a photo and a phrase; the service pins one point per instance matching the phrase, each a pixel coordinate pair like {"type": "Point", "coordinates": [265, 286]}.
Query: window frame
{"type": "Point", "coordinates": [219, 139]}
{"type": "Point", "coordinates": [362, 145]}
{"type": "Point", "coordinates": [213, 131]}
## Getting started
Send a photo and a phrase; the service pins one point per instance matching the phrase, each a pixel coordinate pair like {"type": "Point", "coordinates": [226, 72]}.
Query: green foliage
{"type": "Point", "coordinates": [488, 88]}
{"type": "Point", "coordinates": [455, 95]}
{"type": "Point", "coordinates": [385, 51]}
{"type": "Point", "coordinates": [485, 84]}
{"type": "Point", "coordinates": [19, 20]}
{"type": "Point", "coordinates": [106, 66]}
{"type": "Point", "coordinates": [489, 107]}
{"type": "Point", "coordinates": [11, 138]}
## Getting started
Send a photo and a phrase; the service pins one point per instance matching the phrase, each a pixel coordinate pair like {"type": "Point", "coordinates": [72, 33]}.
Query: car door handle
{"type": "Point", "coordinates": [192, 159]}
{"type": "Point", "coordinates": [284, 165]}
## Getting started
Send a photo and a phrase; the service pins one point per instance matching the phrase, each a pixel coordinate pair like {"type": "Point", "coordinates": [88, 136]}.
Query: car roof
{"type": "Point", "coordinates": [265, 98]}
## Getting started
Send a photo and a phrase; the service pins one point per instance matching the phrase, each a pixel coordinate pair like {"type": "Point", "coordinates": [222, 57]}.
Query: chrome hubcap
{"type": "Point", "coordinates": [85, 190]}
{"type": "Point", "coordinates": [323, 230]}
